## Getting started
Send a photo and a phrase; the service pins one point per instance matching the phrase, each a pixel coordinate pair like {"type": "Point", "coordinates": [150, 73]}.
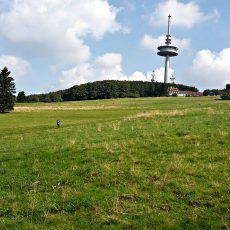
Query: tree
{"type": "Point", "coordinates": [32, 98]}
{"type": "Point", "coordinates": [44, 98]}
{"type": "Point", "coordinates": [21, 97]}
{"type": "Point", "coordinates": [55, 97]}
{"type": "Point", "coordinates": [227, 87]}
{"type": "Point", "coordinates": [226, 93]}
{"type": "Point", "coordinates": [7, 90]}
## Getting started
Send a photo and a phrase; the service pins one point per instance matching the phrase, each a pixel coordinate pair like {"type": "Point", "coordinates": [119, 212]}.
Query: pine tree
{"type": "Point", "coordinates": [7, 90]}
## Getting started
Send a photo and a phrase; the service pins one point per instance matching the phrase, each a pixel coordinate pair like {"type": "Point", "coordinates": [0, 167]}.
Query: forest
{"type": "Point", "coordinates": [107, 89]}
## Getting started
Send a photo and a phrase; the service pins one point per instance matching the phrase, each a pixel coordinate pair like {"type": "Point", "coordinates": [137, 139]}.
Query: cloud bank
{"type": "Point", "coordinates": [105, 67]}
{"type": "Point", "coordinates": [184, 14]}
{"type": "Point", "coordinates": [56, 29]}
{"type": "Point", "coordinates": [210, 70]}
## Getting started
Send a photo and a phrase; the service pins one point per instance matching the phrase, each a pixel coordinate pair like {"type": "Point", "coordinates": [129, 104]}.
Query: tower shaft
{"type": "Point", "coordinates": [166, 76]}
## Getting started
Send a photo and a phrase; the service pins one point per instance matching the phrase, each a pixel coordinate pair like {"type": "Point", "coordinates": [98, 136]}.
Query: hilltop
{"type": "Point", "coordinates": [108, 89]}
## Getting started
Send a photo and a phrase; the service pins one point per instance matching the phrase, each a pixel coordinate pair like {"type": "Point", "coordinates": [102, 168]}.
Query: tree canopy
{"type": "Point", "coordinates": [226, 93]}
{"type": "Point", "coordinates": [7, 91]}
{"type": "Point", "coordinates": [109, 89]}
{"type": "Point", "coordinates": [21, 97]}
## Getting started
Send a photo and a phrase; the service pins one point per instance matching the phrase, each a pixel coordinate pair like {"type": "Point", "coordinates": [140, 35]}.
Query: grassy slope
{"type": "Point", "coordinates": [153, 163]}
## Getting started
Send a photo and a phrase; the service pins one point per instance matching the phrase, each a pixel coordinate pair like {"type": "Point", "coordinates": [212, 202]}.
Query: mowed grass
{"type": "Point", "coordinates": [149, 163]}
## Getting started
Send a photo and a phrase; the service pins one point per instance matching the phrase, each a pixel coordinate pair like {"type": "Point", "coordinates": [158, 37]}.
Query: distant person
{"type": "Point", "coordinates": [58, 123]}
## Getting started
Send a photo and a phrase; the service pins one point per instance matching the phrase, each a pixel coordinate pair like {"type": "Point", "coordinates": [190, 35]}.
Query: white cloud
{"type": "Point", "coordinates": [108, 66]}
{"type": "Point", "coordinates": [137, 76]}
{"type": "Point", "coordinates": [210, 70]}
{"type": "Point", "coordinates": [105, 67]}
{"type": "Point", "coordinates": [183, 14]}
{"type": "Point", "coordinates": [152, 43]}
{"type": "Point", "coordinates": [18, 67]}
{"type": "Point", "coordinates": [109, 60]}
{"type": "Point", "coordinates": [57, 28]}
{"type": "Point", "coordinates": [75, 76]}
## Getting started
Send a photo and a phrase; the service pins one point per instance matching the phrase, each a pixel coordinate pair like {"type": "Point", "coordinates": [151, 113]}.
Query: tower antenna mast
{"type": "Point", "coordinates": [169, 19]}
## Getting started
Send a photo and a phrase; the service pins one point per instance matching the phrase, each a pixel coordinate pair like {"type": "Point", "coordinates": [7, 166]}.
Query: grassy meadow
{"type": "Point", "coordinates": [146, 163]}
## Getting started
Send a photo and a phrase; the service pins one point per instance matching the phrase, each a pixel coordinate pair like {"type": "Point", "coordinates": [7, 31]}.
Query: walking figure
{"type": "Point", "coordinates": [58, 123]}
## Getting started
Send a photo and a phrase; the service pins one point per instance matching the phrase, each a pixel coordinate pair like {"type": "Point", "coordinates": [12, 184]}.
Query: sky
{"type": "Point", "coordinates": [50, 45]}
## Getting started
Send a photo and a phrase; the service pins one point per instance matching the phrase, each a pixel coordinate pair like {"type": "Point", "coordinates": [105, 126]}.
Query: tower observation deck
{"type": "Point", "coordinates": [167, 51]}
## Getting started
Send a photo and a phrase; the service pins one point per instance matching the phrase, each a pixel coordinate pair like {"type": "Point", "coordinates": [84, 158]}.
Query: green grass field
{"type": "Point", "coordinates": [149, 163]}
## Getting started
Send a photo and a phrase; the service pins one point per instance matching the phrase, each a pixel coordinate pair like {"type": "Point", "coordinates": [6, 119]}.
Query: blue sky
{"type": "Point", "coordinates": [55, 44]}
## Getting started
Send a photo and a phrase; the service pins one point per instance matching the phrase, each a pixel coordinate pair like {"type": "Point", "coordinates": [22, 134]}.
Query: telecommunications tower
{"type": "Point", "coordinates": [167, 51]}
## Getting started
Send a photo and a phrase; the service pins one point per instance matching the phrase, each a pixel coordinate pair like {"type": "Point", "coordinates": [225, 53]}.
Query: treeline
{"type": "Point", "coordinates": [212, 92]}
{"type": "Point", "coordinates": [217, 92]}
{"type": "Point", "coordinates": [105, 90]}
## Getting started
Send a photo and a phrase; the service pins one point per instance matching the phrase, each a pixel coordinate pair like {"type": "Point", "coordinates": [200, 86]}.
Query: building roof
{"type": "Point", "coordinates": [189, 93]}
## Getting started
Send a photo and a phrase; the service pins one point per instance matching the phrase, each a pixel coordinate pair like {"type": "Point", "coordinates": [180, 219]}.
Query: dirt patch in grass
{"type": "Point", "coordinates": [53, 108]}
{"type": "Point", "coordinates": [150, 114]}
{"type": "Point", "coordinates": [165, 208]}
{"type": "Point", "coordinates": [177, 112]}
